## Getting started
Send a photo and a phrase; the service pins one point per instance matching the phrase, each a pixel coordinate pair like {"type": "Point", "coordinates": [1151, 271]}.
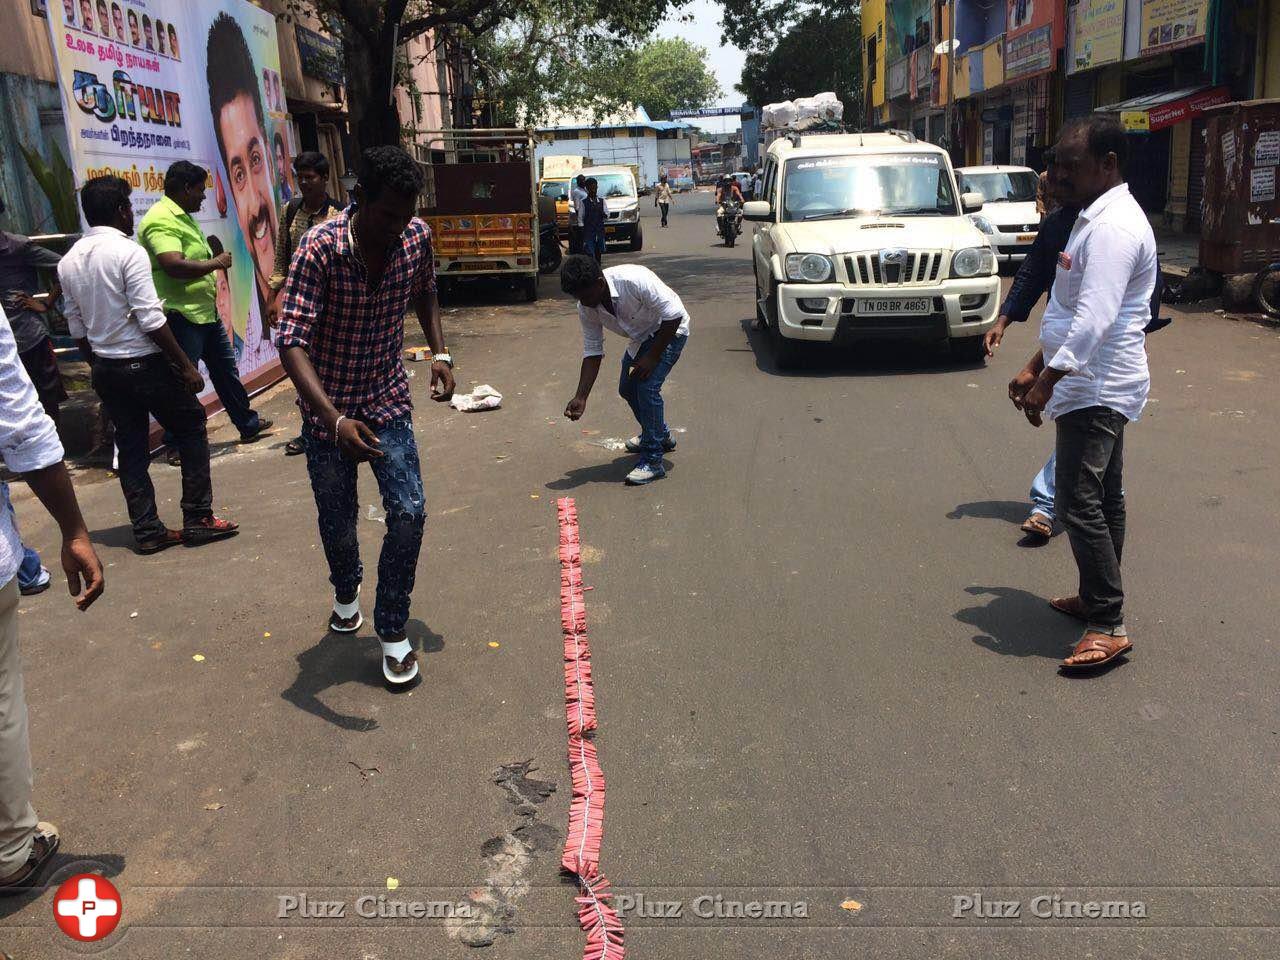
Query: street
{"type": "Point", "coordinates": [825, 668]}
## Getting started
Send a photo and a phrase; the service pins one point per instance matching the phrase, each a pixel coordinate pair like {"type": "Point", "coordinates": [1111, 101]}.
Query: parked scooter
{"type": "Point", "coordinates": [729, 220]}
{"type": "Point", "coordinates": [549, 251]}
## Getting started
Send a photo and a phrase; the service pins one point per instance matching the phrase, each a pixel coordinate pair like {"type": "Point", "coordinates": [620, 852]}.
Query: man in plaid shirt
{"type": "Point", "coordinates": [340, 338]}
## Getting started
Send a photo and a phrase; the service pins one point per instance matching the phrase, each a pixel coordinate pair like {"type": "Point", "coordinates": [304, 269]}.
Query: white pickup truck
{"type": "Point", "coordinates": [866, 236]}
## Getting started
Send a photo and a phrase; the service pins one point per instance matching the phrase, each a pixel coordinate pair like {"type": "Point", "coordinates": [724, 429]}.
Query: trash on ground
{"type": "Point", "coordinates": [417, 354]}
{"type": "Point", "coordinates": [376, 515]}
{"type": "Point", "coordinates": [392, 883]}
{"type": "Point", "coordinates": [853, 906]}
{"type": "Point", "coordinates": [214, 806]}
{"type": "Point", "coordinates": [483, 397]}
{"type": "Point", "coordinates": [198, 657]}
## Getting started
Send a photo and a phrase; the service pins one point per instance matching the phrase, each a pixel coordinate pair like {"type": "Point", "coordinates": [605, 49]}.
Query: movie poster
{"type": "Point", "coordinates": [148, 82]}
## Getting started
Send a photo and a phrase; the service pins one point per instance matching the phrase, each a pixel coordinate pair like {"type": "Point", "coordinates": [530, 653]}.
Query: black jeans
{"type": "Point", "coordinates": [1090, 504]}
{"type": "Point", "coordinates": [575, 238]}
{"type": "Point", "coordinates": [131, 391]}
{"type": "Point", "coordinates": [666, 209]}
{"type": "Point", "coordinates": [208, 342]}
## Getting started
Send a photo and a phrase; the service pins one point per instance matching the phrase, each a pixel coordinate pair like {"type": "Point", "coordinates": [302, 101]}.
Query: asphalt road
{"type": "Point", "coordinates": [825, 669]}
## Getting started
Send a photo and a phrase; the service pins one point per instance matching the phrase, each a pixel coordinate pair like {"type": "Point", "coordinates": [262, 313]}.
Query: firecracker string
{"type": "Point", "coordinates": [597, 918]}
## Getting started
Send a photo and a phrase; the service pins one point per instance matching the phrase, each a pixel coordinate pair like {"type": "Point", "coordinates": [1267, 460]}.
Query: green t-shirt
{"type": "Point", "coordinates": [167, 228]}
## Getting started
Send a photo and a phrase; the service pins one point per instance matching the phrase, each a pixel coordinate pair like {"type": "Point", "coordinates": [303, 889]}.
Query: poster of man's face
{"type": "Point", "coordinates": [235, 103]}
{"type": "Point", "coordinates": [135, 32]}
{"type": "Point", "coordinates": [86, 14]}
{"type": "Point", "coordinates": [146, 32]}
{"type": "Point", "coordinates": [160, 37]}
{"type": "Point", "coordinates": [173, 43]}
{"type": "Point", "coordinates": [117, 18]}
{"type": "Point", "coordinates": [104, 22]}
{"type": "Point", "coordinates": [69, 12]}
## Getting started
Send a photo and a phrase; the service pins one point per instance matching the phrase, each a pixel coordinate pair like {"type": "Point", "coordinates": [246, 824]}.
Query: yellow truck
{"type": "Point", "coordinates": [558, 174]}
{"type": "Point", "coordinates": [481, 206]}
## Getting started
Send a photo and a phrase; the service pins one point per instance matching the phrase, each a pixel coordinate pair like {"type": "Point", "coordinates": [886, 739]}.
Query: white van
{"type": "Point", "coordinates": [1009, 216]}
{"type": "Point", "coordinates": [866, 236]}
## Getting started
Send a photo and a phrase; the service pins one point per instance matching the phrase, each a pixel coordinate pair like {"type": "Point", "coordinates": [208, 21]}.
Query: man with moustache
{"type": "Point", "coordinates": [86, 14]}
{"type": "Point", "coordinates": [135, 31]}
{"type": "Point", "coordinates": [104, 20]}
{"type": "Point", "coordinates": [117, 18]}
{"type": "Point", "coordinates": [173, 43]}
{"type": "Point", "coordinates": [235, 102]}
{"type": "Point", "coordinates": [184, 269]}
{"type": "Point", "coordinates": [146, 32]}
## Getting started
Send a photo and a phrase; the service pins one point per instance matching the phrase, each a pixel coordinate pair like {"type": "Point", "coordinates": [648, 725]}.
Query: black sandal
{"type": "Point", "coordinates": [294, 447]}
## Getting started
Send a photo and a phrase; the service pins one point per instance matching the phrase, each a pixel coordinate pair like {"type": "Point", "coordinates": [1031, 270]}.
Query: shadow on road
{"type": "Point", "coordinates": [61, 868]}
{"type": "Point", "coordinates": [1010, 511]}
{"type": "Point", "coordinates": [1019, 624]}
{"type": "Point", "coordinates": [340, 658]}
{"type": "Point", "coordinates": [872, 358]}
{"type": "Point", "coordinates": [615, 471]}
{"type": "Point", "coordinates": [120, 535]}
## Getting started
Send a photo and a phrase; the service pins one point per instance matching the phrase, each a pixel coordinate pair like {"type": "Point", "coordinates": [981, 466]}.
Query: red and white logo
{"type": "Point", "coordinates": [87, 907]}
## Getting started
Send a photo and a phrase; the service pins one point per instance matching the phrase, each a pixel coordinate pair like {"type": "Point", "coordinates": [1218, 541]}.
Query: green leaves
{"type": "Point", "coordinates": [58, 186]}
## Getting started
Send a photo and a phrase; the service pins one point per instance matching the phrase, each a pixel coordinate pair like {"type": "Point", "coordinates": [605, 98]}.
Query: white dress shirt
{"type": "Point", "coordinates": [576, 196]}
{"type": "Point", "coordinates": [1101, 300]}
{"type": "Point", "coordinates": [109, 296]}
{"type": "Point", "coordinates": [28, 440]}
{"type": "Point", "coordinates": [641, 304]}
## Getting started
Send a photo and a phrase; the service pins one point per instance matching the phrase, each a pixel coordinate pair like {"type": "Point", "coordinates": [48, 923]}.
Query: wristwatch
{"type": "Point", "coordinates": [443, 357]}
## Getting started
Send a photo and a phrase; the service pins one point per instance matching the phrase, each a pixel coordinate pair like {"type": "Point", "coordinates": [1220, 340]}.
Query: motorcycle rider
{"type": "Point", "coordinates": [727, 190]}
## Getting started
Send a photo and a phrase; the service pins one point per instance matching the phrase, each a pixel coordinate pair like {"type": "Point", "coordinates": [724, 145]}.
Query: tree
{"type": "Point", "coordinates": [819, 52]}
{"type": "Point", "coordinates": [669, 74]}
{"type": "Point", "coordinates": [373, 30]}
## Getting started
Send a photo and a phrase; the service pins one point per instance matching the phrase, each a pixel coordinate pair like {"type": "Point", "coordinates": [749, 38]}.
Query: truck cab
{"type": "Point", "coordinates": [867, 237]}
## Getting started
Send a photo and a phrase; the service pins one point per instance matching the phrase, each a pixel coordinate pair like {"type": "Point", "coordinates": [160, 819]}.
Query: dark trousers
{"type": "Point", "coordinates": [1090, 504]}
{"type": "Point", "coordinates": [575, 238]}
{"type": "Point", "coordinates": [208, 342]}
{"type": "Point", "coordinates": [132, 391]}
{"type": "Point", "coordinates": [666, 209]}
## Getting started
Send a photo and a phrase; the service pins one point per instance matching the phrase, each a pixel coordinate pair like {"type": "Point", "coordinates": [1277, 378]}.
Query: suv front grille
{"type": "Point", "coordinates": [919, 266]}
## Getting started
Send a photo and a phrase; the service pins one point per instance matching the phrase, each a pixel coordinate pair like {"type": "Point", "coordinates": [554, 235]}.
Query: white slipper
{"type": "Point", "coordinates": [397, 650]}
{"type": "Point", "coordinates": [345, 611]}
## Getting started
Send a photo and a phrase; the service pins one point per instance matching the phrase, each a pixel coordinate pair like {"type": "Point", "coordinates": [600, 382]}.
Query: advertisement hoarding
{"type": "Point", "coordinates": [1030, 38]}
{"type": "Point", "coordinates": [1170, 24]}
{"type": "Point", "coordinates": [139, 93]}
{"type": "Point", "coordinates": [1095, 34]}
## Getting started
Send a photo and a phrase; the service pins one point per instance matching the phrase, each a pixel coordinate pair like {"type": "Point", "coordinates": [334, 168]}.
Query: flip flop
{"type": "Point", "coordinates": [397, 650]}
{"type": "Point", "coordinates": [1038, 525]}
{"type": "Point", "coordinates": [1113, 647]}
{"type": "Point", "coordinates": [1071, 606]}
{"type": "Point", "coordinates": [294, 447]}
{"type": "Point", "coordinates": [45, 846]}
{"type": "Point", "coordinates": [345, 611]}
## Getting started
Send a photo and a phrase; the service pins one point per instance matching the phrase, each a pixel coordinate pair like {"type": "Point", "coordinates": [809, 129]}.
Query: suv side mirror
{"type": "Point", "coordinates": [971, 202]}
{"type": "Point", "coordinates": [757, 210]}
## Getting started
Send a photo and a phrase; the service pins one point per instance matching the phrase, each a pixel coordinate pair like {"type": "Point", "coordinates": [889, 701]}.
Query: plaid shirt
{"type": "Point", "coordinates": [354, 336]}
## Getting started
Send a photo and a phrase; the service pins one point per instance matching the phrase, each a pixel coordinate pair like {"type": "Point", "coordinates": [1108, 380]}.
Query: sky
{"type": "Point", "coordinates": [725, 61]}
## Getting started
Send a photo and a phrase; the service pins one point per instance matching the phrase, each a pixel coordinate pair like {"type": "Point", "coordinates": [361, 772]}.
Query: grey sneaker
{"type": "Point", "coordinates": [633, 445]}
{"type": "Point", "coordinates": [645, 473]}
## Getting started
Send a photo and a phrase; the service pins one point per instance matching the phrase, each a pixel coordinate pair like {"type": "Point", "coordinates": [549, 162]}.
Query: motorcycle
{"type": "Point", "coordinates": [550, 253]}
{"type": "Point", "coordinates": [729, 220]}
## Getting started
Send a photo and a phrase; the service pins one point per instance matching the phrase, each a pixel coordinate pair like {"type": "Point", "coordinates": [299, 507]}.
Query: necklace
{"type": "Point", "coordinates": [355, 243]}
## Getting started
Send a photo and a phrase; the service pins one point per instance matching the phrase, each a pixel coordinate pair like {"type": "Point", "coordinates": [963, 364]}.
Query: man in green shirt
{"type": "Point", "coordinates": [184, 270]}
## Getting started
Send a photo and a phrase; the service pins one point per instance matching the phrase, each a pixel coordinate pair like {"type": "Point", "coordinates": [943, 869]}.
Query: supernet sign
{"type": "Point", "coordinates": [148, 82]}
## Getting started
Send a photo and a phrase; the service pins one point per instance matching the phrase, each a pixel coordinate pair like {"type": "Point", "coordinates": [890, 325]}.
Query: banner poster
{"type": "Point", "coordinates": [1169, 24]}
{"type": "Point", "coordinates": [147, 82]}
{"type": "Point", "coordinates": [1095, 33]}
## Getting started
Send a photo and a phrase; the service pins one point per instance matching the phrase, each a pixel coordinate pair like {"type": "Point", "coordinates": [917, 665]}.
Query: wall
{"type": "Point", "coordinates": [873, 13]}
{"type": "Point", "coordinates": [25, 50]}
{"type": "Point", "coordinates": [1268, 61]}
{"type": "Point", "coordinates": [978, 21]}
{"type": "Point", "coordinates": [421, 104]}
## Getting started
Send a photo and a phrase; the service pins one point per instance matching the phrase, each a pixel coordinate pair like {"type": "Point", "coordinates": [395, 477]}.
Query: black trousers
{"type": "Point", "coordinates": [575, 238]}
{"type": "Point", "coordinates": [666, 209]}
{"type": "Point", "coordinates": [133, 390]}
{"type": "Point", "coordinates": [1090, 504]}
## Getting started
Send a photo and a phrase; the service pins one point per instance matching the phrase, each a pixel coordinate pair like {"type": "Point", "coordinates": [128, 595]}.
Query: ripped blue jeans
{"type": "Point", "coordinates": [333, 481]}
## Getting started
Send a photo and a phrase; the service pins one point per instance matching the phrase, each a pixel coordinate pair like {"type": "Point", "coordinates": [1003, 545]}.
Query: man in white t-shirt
{"type": "Point", "coordinates": [630, 300]}
{"type": "Point", "coordinates": [577, 210]}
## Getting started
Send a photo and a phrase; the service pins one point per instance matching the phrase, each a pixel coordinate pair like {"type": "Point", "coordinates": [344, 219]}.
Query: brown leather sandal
{"type": "Point", "coordinates": [1071, 606]}
{"type": "Point", "coordinates": [1104, 643]}
{"type": "Point", "coordinates": [1038, 525]}
{"type": "Point", "coordinates": [43, 848]}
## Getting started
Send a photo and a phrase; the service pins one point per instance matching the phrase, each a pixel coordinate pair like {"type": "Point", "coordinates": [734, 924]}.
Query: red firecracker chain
{"type": "Point", "coordinates": [599, 921]}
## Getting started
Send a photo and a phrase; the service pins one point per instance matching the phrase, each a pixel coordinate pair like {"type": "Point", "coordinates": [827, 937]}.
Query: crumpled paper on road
{"type": "Point", "coordinates": [483, 397]}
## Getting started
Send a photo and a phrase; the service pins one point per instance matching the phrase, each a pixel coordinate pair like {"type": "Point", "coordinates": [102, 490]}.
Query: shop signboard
{"type": "Point", "coordinates": [1095, 33]}
{"type": "Point", "coordinates": [1029, 40]}
{"type": "Point", "coordinates": [1170, 24]}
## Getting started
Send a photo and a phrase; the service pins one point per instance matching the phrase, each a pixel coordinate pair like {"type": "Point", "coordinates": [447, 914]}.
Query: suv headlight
{"type": "Point", "coordinates": [809, 267]}
{"type": "Point", "coordinates": [982, 223]}
{"type": "Point", "coordinates": [630, 212]}
{"type": "Point", "coordinates": [973, 262]}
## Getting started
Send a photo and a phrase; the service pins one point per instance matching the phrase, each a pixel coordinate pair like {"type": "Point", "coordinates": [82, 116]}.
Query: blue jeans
{"type": "Point", "coordinates": [593, 243]}
{"type": "Point", "coordinates": [333, 482]}
{"type": "Point", "coordinates": [645, 398]}
{"type": "Point", "coordinates": [208, 342]}
{"type": "Point", "coordinates": [1043, 487]}
{"type": "Point", "coordinates": [29, 569]}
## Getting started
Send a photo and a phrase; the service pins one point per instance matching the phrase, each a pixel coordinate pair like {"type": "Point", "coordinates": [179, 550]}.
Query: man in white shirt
{"type": "Point", "coordinates": [139, 369]}
{"type": "Point", "coordinates": [629, 299]}
{"type": "Point", "coordinates": [577, 210]}
{"type": "Point", "coordinates": [29, 446]}
{"type": "Point", "coordinates": [1090, 375]}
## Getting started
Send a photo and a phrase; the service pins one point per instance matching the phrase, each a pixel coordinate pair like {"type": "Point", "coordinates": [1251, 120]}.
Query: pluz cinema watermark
{"type": "Point", "coordinates": [1045, 907]}
{"type": "Point", "coordinates": [370, 907]}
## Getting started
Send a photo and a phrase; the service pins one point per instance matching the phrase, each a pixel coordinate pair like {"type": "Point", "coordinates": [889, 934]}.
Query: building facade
{"type": "Point", "coordinates": [1009, 73]}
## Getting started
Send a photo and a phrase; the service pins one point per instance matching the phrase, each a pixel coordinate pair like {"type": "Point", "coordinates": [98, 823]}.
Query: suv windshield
{"type": "Point", "coordinates": [610, 185]}
{"type": "Point", "coordinates": [556, 189]}
{"type": "Point", "coordinates": [1014, 187]}
{"type": "Point", "coordinates": [889, 184]}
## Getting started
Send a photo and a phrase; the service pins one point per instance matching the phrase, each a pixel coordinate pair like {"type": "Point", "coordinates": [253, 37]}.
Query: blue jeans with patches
{"type": "Point", "coordinates": [333, 481]}
{"type": "Point", "coordinates": [645, 398]}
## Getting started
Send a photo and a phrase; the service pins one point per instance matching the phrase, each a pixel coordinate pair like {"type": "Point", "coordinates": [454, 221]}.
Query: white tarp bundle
{"type": "Point", "coordinates": [803, 112]}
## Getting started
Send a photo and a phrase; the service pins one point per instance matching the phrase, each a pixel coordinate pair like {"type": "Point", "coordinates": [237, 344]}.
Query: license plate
{"type": "Point", "coordinates": [483, 265]}
{"type": "Point", "coordinates": [610, 231]}
{"type": "Point", "coordinates": [895, 306]}
{"type": "Point", "coordinates": [1026, 238]}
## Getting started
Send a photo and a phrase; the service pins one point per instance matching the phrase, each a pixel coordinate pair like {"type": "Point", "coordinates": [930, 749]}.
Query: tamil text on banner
{"type": "Point", "coordinates": [148, 82]}
{"type": "Point", "coordinates": [1095, 33]}
{"type": "Point", "coordinates": [1169, 24]}
{"type": "Point", "coordinates": [1032, 34]}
